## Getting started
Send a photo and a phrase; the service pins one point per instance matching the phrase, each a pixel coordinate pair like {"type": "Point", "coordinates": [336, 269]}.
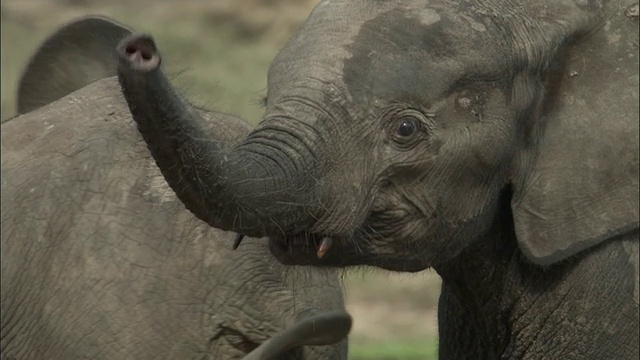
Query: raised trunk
{"type": "Point", "coordinates": [244, 188]}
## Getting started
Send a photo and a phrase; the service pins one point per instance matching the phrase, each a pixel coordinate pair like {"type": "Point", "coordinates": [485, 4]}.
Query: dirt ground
{"type": "Point", "coordinates": [226, 46]}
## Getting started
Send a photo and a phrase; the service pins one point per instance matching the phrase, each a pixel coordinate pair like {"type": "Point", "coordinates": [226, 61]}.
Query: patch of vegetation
{"type": "Point", "coordinates": [427, 350]}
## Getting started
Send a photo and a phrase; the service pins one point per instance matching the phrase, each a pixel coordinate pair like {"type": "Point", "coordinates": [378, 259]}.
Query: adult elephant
{"type": "Point", "coordinates": [494, 141]}
{"type": "Point", "coordinates": [99, 258]}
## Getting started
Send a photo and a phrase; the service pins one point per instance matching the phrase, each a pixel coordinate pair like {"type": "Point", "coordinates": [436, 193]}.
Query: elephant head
{"type": "Point", "coordinates": [396, 132]}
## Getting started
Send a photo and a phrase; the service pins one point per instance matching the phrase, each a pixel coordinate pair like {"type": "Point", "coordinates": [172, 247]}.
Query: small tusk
{"type": "Point", "coordinates": [237, 241]}
{"type": "Point", "coordinates": [325, 245]}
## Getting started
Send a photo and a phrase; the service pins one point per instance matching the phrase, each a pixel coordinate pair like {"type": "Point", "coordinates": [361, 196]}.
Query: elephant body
{"type": "Point", "coordinates": [586, 308]}
{"type": "Point", "coordinates": [100, 260]}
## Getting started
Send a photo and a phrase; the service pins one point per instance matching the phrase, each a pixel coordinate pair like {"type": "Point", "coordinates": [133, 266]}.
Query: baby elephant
{"type": "Point", "coordinates": [100, 260]}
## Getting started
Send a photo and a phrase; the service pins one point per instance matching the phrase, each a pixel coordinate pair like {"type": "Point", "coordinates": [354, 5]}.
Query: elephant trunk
{"type": "Point", "coordinates": [242, 188]}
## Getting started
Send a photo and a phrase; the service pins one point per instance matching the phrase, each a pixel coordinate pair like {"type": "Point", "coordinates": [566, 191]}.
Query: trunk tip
{"type": "Point", "coordinates": [138, 52]}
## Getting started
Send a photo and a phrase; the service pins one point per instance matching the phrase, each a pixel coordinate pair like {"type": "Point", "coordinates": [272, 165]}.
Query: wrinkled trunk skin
{"type": "Point", "coordinates": [299, 171]}
{"type": "Point", "coordinates": [232, 188]}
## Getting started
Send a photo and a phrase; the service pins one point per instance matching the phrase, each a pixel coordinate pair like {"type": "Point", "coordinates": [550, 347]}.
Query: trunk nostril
{"type": "Point", "coordinates": [145, 51]}
{"type": "Point", "coordinates": [146, 54]}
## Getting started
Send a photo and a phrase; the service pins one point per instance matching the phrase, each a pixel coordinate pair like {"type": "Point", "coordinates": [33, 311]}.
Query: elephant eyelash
{"type": "Point", "coordinates": [429, 112]}
{"type": "Point", "coordinates": [428, 123]}
{"type": "Point", "coordinates": [263, 102]}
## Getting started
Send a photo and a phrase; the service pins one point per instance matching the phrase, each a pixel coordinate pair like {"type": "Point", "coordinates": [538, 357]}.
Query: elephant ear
{"type": "Point", "coordinates": [322, 329]}
{"type": "Point", "coordinates": [77, 54]}
{"type": "Point", "coordinates": [582, 187]}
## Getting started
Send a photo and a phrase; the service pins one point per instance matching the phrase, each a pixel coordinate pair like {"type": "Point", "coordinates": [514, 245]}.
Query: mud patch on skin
{"type": "Point", "coordinates": [633, 11]}
{"type": "Point", "coordinates": [436, 47]}
{"type": "Point", "coordinates": [428, 17]}
{"type": "Point", "coordinates": [373, 74]}
{"type": "Point", "coordinates": [475, 25]}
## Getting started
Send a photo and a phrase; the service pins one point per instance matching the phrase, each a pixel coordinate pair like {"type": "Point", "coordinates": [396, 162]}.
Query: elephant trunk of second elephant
{"type": "Point", "coordinates": [242, 189]}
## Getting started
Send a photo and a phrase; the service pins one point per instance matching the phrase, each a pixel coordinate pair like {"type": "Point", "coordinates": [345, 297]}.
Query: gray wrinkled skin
{"type": "Point", "coordinates": [100, 260]}
{"type": "Point", "coordinates": [494, 141]}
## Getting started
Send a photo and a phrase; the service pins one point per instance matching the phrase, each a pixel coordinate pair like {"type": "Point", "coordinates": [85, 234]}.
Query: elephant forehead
{"type": "Point", "coordinates": [402, 54]}
{"type": "Point", "coordinates": [345, 39]}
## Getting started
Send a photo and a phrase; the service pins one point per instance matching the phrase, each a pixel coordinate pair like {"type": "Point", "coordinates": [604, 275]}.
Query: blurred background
{"type": "Point", "coordinates": [218, 52]}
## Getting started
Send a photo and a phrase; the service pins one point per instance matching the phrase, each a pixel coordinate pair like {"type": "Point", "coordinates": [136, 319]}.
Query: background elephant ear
{"type": "Point", "coordinates": [582, 187]}
{"type": "Point", "coordinates": [77, 54]}
{"type": "Point", "coordinates": [323, 329]}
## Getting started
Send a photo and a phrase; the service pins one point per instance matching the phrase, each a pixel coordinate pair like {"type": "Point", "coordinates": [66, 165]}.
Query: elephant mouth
{"type": "Point", "coordinates": [310, 249]}
{"type": "Point", "coordinates": [353, 248]}
{"type": "Point", "coordinates": [364, 247]}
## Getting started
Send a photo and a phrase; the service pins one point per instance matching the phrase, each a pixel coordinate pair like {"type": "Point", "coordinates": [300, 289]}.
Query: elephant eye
{"type": "Point", "coordinates": [407, 127]}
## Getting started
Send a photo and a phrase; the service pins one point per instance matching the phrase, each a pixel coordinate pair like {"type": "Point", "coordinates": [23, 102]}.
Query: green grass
{"type": "Point", "coordinates": [427, 350]}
